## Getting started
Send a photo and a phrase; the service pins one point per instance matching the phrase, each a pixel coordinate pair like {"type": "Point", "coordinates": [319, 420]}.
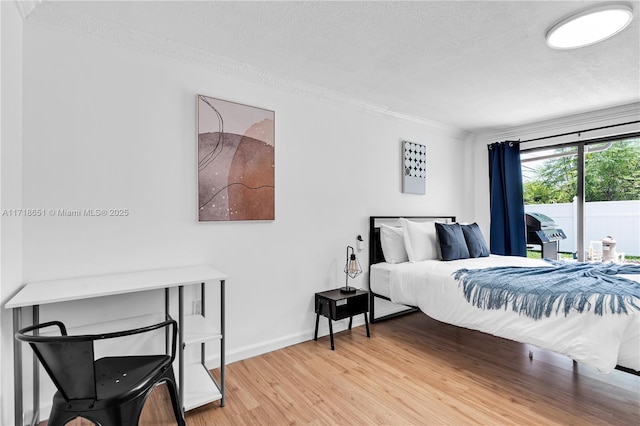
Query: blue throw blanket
{"type": "Point", "coordinates": [539, 291]}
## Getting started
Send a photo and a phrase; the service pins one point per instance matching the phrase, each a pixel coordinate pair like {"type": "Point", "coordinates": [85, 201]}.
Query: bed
{"type": "Point", "coordinates": [604, 341]}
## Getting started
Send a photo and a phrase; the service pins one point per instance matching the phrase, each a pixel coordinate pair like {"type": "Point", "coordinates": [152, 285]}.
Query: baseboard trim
{"type": "Point", "coordinates": [267, 346]}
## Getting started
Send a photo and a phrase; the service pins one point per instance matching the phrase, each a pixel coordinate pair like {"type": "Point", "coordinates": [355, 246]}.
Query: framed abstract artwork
{"type": "Point", "coordinates": [414, 168]}
{"type": "Point", "coordinates": [236, 161]}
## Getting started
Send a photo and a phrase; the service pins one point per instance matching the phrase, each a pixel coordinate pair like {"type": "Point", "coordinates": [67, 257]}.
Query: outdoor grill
{"type": "Point", "coordinates": [542, 231]}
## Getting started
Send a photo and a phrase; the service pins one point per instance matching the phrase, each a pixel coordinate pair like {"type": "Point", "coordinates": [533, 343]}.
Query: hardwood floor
{"type": "Point", "coordinates": [412, 371]}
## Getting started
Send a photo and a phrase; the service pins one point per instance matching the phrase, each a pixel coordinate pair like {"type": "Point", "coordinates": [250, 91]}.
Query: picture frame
{"type": "Point", "coordinates": [236, 161]}
{"type": "Point", "coordinates": [414, 168]}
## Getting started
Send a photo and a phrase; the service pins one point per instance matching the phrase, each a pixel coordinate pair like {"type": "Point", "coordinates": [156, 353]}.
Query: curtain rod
{"type": "Point", "coordinates": [574, 132]}
{"type": "Point", "coordinates": [580, 131]}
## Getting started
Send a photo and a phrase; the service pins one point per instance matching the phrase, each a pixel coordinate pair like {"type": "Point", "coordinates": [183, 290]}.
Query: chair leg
{"type": "Point", "coordinates": [60, 418]}
{"type": "Point", "coordinates": [126, 414]}
{"type": "Point", "coordinates": [177, 409]}
{"type": "Point", "coordinates": [175, 399]}
{"type": "Point", "coordinates": [98, 417]}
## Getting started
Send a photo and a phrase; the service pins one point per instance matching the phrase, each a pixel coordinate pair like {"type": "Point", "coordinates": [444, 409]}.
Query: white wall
{"type": "Point", "coordinates": [109, 126]}
{"type": "Point", "coordinates": [10, 189]}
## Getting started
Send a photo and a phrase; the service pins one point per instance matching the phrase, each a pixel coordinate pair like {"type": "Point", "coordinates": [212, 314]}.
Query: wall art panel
{"type": "Point", "coordinates": [414, 168]}
{"type": "Point", "coordinates": [236, 161]}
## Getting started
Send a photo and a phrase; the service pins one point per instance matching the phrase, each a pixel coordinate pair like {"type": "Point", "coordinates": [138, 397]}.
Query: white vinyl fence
{"type": "Point", "coordinates": [618, 219]}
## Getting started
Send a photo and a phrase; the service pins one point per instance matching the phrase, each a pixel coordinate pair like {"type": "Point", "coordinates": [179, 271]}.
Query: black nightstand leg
{"type": "Point", "coordinates": [331, 334]}
{"type": "Point", "coordinates": [315, 336]}
{"type": "Point", "coordinates": [366, 323]}
{"type": "Point", "coordinates": [350, 321]}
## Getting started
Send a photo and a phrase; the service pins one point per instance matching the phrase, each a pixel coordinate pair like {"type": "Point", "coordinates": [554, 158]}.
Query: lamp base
{"type": "Point", "coordinates": [347, 289]}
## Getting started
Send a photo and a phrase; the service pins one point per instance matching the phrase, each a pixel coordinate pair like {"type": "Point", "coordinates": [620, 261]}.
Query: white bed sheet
{"type": "Point", "coordinates": [598, 341]}
{"type": "Point", "coordinates": [380, 278]}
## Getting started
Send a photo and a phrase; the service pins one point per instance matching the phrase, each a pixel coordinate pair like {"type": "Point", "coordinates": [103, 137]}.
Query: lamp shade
{"type": "Point", "coordinates": [351, 269]}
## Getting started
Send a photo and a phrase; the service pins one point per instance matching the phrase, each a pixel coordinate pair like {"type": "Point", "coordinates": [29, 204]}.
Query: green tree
{"type": "Point", "coordinates": [536, 192]}
{"type": "Point", "coordinates": [610, 175]}
{"type": "Point", "coordinates": [614, 174]}
{"type": "Point", "coordinates": [559, 175]}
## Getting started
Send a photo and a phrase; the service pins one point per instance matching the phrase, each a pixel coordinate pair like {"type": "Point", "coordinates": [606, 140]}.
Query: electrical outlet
{"type": "Point", "coordinates": [197, 307]}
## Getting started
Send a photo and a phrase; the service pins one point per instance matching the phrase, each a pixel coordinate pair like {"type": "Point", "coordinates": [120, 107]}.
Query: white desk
{"type": "Point", "coordinates": [55, 291]}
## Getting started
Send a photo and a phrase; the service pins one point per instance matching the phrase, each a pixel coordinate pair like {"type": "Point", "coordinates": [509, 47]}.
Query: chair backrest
{"type": "Point", "coordinates": [69, 360]}
{"type": "Point", "coordinates": [70, 366]}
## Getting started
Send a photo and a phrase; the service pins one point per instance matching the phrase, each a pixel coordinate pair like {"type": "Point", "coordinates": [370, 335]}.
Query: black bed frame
{"type": "Point", "coordinates": [376, 255]}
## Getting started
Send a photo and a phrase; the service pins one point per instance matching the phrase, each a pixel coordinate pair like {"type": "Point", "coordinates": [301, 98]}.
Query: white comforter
{"type": "Point", "coordinates": [598, 341]}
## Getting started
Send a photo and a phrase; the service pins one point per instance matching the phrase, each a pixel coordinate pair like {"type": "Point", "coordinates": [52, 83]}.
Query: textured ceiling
{"type": "Point", "coordinates": [472, 65]}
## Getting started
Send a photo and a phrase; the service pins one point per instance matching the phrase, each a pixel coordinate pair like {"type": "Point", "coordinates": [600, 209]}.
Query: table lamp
{"type": "Point", "coordinates": [351, 269]}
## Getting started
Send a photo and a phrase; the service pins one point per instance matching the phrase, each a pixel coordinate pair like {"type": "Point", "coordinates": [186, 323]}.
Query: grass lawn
{"type": "Point", "coordinates": [533, 254]}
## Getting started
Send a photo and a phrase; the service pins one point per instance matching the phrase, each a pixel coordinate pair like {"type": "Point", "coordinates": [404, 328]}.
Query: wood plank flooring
{"type": "Point", "coordinates": [412, 371]}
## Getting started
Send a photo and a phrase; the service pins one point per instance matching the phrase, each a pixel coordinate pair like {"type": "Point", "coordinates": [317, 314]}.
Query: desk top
{"type": "Point", "coordinates": [63, 290]}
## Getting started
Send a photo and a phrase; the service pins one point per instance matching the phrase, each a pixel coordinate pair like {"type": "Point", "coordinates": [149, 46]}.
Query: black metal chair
{"type": "Point", "coordinates": [109, 391]}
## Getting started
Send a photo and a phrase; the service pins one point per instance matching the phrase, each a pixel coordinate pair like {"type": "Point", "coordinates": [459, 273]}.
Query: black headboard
{"type": "Point", "coordinates": [376, 256]}
{"type": "Point", "coordinates": [375, 249]}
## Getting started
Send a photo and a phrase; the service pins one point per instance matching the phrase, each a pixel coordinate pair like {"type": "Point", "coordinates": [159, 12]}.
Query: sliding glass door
{"type": "Point", "coordinates": [612, 200]}
{"type": "Point", "coordinates": [591, 190]}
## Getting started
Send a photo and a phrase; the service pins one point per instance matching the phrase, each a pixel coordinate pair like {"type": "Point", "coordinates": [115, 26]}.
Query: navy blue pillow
{"type": "Point", "coordinates": [475, 240]}
{"type": "Point", "coordinates": [451, 240]}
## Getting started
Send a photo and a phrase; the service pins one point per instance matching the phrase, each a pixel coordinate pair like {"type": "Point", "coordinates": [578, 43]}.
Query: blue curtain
{"type": "Point", "coordinates": [507, 234]}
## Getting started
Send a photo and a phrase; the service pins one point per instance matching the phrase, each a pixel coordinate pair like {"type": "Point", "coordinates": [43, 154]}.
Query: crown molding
{"type": "Point", "coordinates": [98, 28]}
{"type": "Point", "coordinates": [593, 119]}
{"type": "Point", "coordinates": [26, 7]}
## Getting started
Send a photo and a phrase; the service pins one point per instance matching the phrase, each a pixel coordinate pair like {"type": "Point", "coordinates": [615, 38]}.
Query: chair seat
{"type": "Point", "coordinates": [121, 376]}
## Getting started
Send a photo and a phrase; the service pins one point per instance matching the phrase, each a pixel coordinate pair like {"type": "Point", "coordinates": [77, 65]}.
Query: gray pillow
{"type": "Point", "coordinates": [452, 243]}
{"type": "Point", "coordinates": [475, 240]}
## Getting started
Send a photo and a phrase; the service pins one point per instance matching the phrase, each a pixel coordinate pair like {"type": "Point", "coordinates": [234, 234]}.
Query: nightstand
{"type": "Point", "coordinates": [336, 305]}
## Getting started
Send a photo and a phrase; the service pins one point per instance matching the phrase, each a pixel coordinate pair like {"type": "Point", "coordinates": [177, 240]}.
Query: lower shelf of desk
{"type": "Point", "coordinates": [199, 389]}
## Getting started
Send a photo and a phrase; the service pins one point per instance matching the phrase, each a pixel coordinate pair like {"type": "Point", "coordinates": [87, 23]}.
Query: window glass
{"type": "Point", "coordinates": [612, 195]}
{"type": "Point", "coordinates": [612, 201]}
{"type": "Point", "coordinates": [549, 179]}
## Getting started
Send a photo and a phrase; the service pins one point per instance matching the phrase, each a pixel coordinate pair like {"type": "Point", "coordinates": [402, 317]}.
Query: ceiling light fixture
{"type": "Point", "coordinates": [589, 26]}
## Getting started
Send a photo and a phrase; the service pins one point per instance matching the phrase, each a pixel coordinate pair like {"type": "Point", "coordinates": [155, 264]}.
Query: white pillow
{"type": "Point", "coordinates": [392, 242]}
{"type": "Point", "coordinates": [419, 240]}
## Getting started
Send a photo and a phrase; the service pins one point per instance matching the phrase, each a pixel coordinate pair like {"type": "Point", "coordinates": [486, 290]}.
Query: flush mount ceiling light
{"type": "Point", "coordinates": [589, 26]}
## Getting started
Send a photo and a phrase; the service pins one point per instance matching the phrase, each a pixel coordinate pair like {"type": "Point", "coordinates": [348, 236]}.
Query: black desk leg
{"type": "Point", "coordinates": [17, 369]}
{"type": "Point", "coordinates": [315, 336]}
{"type": "Point", "coordinates": [366, 323]}
{"type": "Point", "coordinates": [350, 321]}
{"type": "Point", "coordinates": [331, 334]}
